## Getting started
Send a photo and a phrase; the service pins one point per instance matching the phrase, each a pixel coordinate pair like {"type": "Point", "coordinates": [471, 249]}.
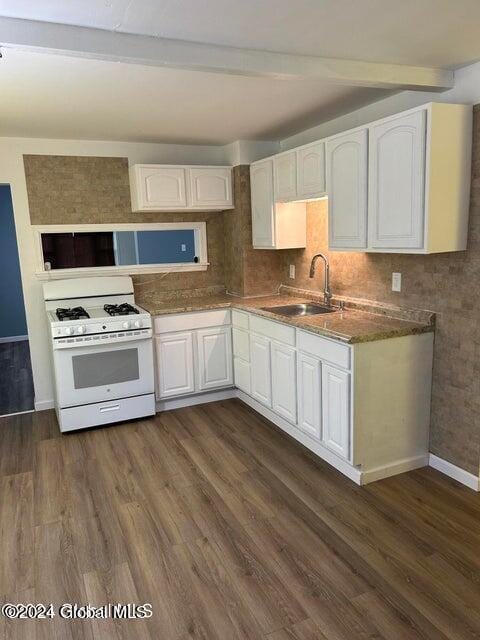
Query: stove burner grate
{"type": "Point", "coordinates": [124, 309]}
{"type": "Point", "coordinates": [76, 313]}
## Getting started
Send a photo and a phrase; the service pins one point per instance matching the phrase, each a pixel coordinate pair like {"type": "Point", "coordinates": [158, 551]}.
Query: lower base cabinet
{"type": "Point", "coordinates": [215, 366]}
{"type": "Point", "coordinates": [284, 383]}
{"type": "Point", "coordinates": [175, 365]}
{"type": "Point", "coordinates": [336, 410]}
{"type": "Point", "coordinates": [261, 372]}
{"type": "Point", "coordinates": [196, 360]}
{"type": "Point", "coordinates": [309, 371]}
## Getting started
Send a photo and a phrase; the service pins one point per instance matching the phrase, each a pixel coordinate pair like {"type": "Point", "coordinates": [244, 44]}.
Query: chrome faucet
{"type": "Point", "coordinates": [327, 294]}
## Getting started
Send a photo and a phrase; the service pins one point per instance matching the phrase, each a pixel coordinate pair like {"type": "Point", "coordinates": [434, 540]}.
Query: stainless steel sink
{"type": "Point", "coordinates": [302, 309]}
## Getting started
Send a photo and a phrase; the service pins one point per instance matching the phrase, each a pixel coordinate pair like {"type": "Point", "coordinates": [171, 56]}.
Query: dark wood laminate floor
{"type": "Point", "coordinates": [16, 384]}
{"type": "Point", "coordinates": [231, 531]}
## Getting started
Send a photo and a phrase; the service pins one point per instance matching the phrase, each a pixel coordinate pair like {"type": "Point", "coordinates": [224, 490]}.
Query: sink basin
{"type": "Point", "coordinates": [302, 309]}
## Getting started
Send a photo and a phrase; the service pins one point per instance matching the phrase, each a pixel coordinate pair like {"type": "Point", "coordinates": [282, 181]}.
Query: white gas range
{"type": "Point", "coordinates": [102, 351]}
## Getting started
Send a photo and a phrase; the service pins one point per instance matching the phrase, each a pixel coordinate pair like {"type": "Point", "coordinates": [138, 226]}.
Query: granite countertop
{"type": "Point", "coordinates": [352, 325]}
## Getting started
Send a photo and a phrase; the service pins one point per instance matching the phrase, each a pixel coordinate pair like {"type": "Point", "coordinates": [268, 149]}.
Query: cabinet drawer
{"type": "Point", "coordinates": [241, 344]}
{"type": "Point", "coordinates": [241, 370]}
{"type": "Point", "coordinates": [188, 321]}
{"type": "Point", "coordinates": [240, 319]}
{"type": "Point", "coordinates": [274, 330]}
{"type": "Point", "coordinates": [324, 349]}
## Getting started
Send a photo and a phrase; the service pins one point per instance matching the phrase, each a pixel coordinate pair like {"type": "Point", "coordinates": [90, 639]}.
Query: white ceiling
{"type": "Point", "coordinates": [61, 97]}
{"type": "Point", "coordinates": [417, 32]}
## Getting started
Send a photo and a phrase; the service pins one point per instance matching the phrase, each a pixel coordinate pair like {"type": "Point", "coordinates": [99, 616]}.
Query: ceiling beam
{"type": "Point", "coordinates": [98, 44]}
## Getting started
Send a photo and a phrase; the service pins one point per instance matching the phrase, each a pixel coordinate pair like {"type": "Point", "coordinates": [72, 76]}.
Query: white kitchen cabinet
{"type": "Point", "coordinates": [311, 171]}
{"type": "Point", "coordinates": [274, 225]}
{"type": "Point", "coordinates": [309, 395]}
{"type": "Point", "coordinates": [210, 187]}
{"type": "Point", "coordinates": [156, 187]}
{"type": "Point", "coordinates": [175, 364]}
{"type": "Point", "coordinates": [215, 364]}
{"type": "Point", "coordinates": [285, 176]}
{"type": "Point", "coordinates": [336, 410]}
{"type": "Point", "coordinates": [397, 182]}
{"type": "Point", "coordinates": [261, 184]}
{"type": "Point", "coordinates": [284, 381]}
{"type": "Point", "coordinates": [347, 171]}
{"type": "Point", "coordinates": [397, 185]}
{"type": "Point", "coordinates": [241, 370]}
{"type": "Point", "coordinates": [260, 370]}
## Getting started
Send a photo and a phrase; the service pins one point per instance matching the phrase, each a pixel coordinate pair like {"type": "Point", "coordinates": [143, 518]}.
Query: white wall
{"type": "Point", "coordinates": [12, 172]}
{"type": "Point", "coordinates": [465, 91]}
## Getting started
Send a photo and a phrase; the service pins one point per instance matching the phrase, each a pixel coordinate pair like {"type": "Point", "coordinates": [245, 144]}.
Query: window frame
{"type": "Point", "coordinates": [200, 234]}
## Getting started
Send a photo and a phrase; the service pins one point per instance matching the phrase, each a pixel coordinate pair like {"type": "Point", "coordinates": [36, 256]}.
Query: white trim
{"type": "Point", "coordinates": [344, 467]}
{"type": "Point", "coordinates": [16, 413]}
{"type": "Point", "coordinates": [457, 473]}
{"type": "Point", "coordinates": [43, 405]}
{"type": "Point", "coordinates": [399, 466]}
{"type": "Point", "coordinates": [199, 229]}
{"type": "Point", "coordinates": [192, 400]}
{"type": "Point", "coordinates": [14, 338]}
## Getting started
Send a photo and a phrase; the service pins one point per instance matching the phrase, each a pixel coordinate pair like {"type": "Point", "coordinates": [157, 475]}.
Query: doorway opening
{"type": "Point", "coordinates": [16, 382]}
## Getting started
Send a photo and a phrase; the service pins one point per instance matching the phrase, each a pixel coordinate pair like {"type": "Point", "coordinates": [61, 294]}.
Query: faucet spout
{"type": "Point", "coordinates": [327, 294]}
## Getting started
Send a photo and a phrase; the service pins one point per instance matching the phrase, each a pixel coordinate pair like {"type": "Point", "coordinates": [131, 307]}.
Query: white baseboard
{"type": "Point", "coordinates": [344, 467]}
{"type": "Point", "coordinates": [43, 405]}
{"type": "Point", "coordinates": [457, 473]}
{"type": "Point", "coordinates": [393, 469]}
{"type": "Point", "coordinates": [17, 413]}
{"type": "Point", "coordinates": [13, 339]}
{"type": "Point", "coordinates": [199, 398]}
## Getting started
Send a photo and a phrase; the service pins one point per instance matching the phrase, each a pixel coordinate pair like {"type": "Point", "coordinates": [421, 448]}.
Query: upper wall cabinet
{"type": "Point", "coordinates": [397, 185]}
{"type": "Point", "coordinates": [157, 187]}
{"type": "Point", "coordinates": [347, 190]}
{"type": "Point", "coordinates": [210, 187]}
{"type": "Point", "coordinates": [397, 182]}
{"type": "Point", "coordinates": [311, 171]}
{"type": "Point", "coordinates": [285, 176]}
{"type": "Point", "coordinates": [275, 225]}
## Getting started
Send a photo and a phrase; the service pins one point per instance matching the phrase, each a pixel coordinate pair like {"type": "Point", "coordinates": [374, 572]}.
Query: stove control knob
{"type": "Point", "coordinates": [126, 324]}
{"type": "Point", "coordinates": [81, 329]}
{"type": "Point", "coordinates": [137, 324]}
{"type": "Point", "coordinates": [68, 331]}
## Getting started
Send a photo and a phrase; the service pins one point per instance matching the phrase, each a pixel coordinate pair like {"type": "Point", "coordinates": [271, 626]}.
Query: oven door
{"type": "Point", "coordinates": [96, 373]}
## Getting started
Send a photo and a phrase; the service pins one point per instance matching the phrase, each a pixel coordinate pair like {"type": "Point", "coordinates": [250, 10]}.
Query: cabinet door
{"type": "Point", "coordinates": [214, 358]}
{"type": "Point", "coordinates": [285, 176]}
{"type": "Point", "coordinates": [347, 191]}
{"type": "Point", "coordinates": [241, 370]}
{"type": "Point", "coordinates": [261, 375]}
{"type": "Point", "coordinates": [210, 187]}
{"type": "Point", "coordinates": [284, 381]}
{"type": "Point", "coordinates": [309, 395]}
{"type": "Point", "coordinates": [311, 171]}
{"type": "Point", "coordinates": [175, 364]}
{"type": "Point", "coordinates": [161, 187]}
{"type": "Point", "coordinates": [397, 182]}
{"type": "Point", "coordinates": [261, 185]}
{"type": "Point", "coordinates": [336, 410]}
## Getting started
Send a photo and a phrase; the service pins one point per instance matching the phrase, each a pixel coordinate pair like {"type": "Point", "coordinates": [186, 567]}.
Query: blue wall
{"type": "Point", "coordinates": [12, 309]}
